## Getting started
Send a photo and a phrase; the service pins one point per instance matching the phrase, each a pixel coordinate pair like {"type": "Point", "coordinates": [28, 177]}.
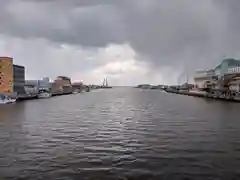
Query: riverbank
{"type": "Point", "coordinates": [26, 97]}
{"type": "Point", "coordinates": [209, 95]}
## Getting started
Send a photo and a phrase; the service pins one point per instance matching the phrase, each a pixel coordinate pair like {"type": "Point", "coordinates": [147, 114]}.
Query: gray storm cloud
{"type": "Point", "coordinates": [165, 32]}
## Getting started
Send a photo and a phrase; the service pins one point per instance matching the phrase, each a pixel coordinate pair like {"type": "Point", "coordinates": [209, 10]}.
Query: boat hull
{"type": "Point", "coordinates": [4, 99]}
{"type": "Point", "coordinates": [7, 101]}
{"type": "Point", "coordinates": [44, 95]}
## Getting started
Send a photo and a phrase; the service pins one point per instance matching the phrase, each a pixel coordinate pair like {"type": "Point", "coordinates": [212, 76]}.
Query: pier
{"type": "Point", "coordinates": [24, 97]}
{"type": "Point", "coordinates": [216, 95]}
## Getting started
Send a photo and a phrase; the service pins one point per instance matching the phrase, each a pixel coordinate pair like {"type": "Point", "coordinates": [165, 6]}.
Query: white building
{"type": "Point", "coordinates": [205, 79]}
{"type": "Point", "coordinates": [225, 75]}
{"type": "Point", "coordinates": [234, 85]}
{"type": "Point", "coordinates": [30, 89]}
{"type": "Point", "coordinates": [43, 84]}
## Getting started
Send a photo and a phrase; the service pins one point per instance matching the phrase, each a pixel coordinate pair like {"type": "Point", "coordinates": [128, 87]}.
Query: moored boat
{"type": "Point", "coordinates": [6, 99]}
{"type": "Point", "coordinates": [44, 94]}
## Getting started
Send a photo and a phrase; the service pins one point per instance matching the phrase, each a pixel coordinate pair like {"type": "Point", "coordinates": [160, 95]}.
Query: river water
{"type": "Point", "coordinates": [121, 133]}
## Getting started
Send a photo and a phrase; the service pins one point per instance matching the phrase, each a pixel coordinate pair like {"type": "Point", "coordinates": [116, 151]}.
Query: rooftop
{"type": "Point", "coordinates": [5, 57]}
{"type": "Point", "coordinates": [63, 77]}
{"type": "Point", "coordinates": [230, 62]}
{"type": "Point", "coordinates": [18, 66]}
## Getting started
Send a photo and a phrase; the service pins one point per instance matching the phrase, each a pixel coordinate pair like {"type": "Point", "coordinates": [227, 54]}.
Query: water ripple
{"type": "Point", "coordinates": [120, 134]}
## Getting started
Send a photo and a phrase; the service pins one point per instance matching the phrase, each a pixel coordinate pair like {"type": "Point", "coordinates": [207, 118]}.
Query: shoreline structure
{"type": "Point", "coordinates": [14, 85]}
{"type": "Point", "coordinates": [220, 83]}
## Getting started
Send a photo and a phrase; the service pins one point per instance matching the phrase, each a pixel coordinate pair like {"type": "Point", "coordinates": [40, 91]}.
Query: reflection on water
{"type": "Point", "coordinates": [120, 134]}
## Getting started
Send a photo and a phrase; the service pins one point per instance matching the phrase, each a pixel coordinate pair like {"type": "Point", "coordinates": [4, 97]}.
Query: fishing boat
{"type": "Point", "coordinates": [43, 94]}
{"type": "Point", "coordinates": [6, 99]}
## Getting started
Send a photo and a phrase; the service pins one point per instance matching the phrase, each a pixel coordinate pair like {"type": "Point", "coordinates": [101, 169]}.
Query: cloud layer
{"type": "Point", "coordinates": [124, 40]}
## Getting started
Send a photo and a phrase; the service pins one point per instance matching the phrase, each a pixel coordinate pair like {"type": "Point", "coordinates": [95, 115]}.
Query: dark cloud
{"type": "Point", "coordinates": [164, 32]}
{"type": "Point", "coordinates": [88, 26]}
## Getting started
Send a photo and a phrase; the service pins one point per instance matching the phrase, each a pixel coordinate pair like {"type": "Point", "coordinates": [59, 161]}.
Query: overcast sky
{"type": "Point", "coordinates": [127, 41]}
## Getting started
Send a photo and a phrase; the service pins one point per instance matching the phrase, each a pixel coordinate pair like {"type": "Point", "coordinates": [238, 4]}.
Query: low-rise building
{"type": "Point", "coordinates": [225, 75]}
{"type": "Point", "coordinates": [62, 84]}
{"type": "Point", "coordinates": [77, 86]}
{"type": "Point", "coordinates": [31, 89]}
{"type": "Point", "coordinates": [234, 85]}
{"type": "Point", "coordinates": [144, 86]}
{"type": "Point", "coordinates": [43, 84]}
{"type": "Point", "coordinates": [205, 79]}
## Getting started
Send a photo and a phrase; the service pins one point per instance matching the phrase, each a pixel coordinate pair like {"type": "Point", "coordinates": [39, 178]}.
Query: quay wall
{"type": "Point", "coordinates": [226, 96]}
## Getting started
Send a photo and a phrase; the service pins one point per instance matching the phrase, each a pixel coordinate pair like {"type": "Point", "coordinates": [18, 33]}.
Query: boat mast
{"type": "Point", "coordinates": [103, 82]}
{"type": "Point", "coordinates": [106, 83]}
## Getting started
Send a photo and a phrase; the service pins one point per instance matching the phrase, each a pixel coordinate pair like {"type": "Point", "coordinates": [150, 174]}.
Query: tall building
{"type": "Point", "coordinates": [12, 77]}
{"type": "Point", "coordinates": [18, 79]}
{"type": "Point", "coordinates": [6, 75]}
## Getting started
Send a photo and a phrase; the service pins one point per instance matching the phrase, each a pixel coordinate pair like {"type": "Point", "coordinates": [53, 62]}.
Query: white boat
{"type": "Point", "coordinates": [6, 99]}
{"type": "Point", "coordinates": [44, 94]}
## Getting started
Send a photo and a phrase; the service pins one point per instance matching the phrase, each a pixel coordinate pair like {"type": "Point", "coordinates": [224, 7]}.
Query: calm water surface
{"type": "Point", "coordinates": [120, 134]}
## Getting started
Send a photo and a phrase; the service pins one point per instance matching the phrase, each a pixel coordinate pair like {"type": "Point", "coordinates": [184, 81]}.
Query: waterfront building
{"type": "Point", "coordinates": [63, 81]}
{"type": "Point", "coordinates": [62, 84]}
{"type": "Point", "coordinates": [30, 89]}
{"type": "Point", "coordinates": [225, 75]}
{"type": "Point", "coordinates": [18, 79]}
{"type": "Point", "coordinates": [234, 84]}
{"type": "Point", "coordinates": [43, 84]}
{"type": "Point", "coordinates": [6, 75]}
{"type": "Point", "coordinates": [144, 86]}
{"type": "Point", "coordinates": [12, 77]}
{"type": "Point", "coordinates": [205, 78]}
{"type": "Point", "coordinates": [77, 86]}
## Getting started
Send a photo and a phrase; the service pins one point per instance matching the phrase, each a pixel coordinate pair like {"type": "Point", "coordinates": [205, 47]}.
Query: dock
{"type": "Point", "coordinates": [61, 93]}
{"type": "Point", "coordinates": [24, 97]}
{"type": "Point", "coordinates": [230, 96]}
